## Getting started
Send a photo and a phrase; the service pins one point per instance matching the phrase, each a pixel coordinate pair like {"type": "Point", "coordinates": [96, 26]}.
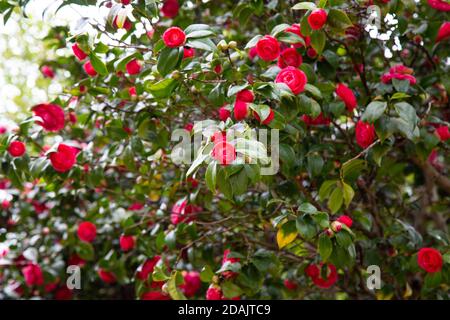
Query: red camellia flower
{"type": "Point", "coordinates": [170, 8]}
{"type": "Point", "coordinates": [136, 206]}
{"type": "Point", "coordinates": [63, 293]}
{"type": "Point", "coordinates": [155, 295]}
{"type": "Point", "coordinates": [399, 72]}
{"type": "Point", "coordinates": [443, 133]}
{"type": "Point", "coordinates": [224, 113]}
{"type": "Point", "coordinates": [311, 53]}
{"type": "Point", "coordinates": [174, 37]}
{"type": "Point", "coordinates": [268, 48]}
{"type": "Point", "coordinates": [188, 52]}
{"type": "Point", "coordinates": [346, 95]}
{"type": "Point", "coordinates": [16, 148]}
{"type": "Point", "coordinates": [267, 120]}
{"type": "Point", "coordinates": [444, 31]}
{"type": "Point", "coordinates": [125, 2]}
{"type": "Point", "coordinates": [183, 212]}
{"type": "Point", "coordinates": [290, 57]}
{"type": "Point", "coordinates": [315, 273]}
{"type": "Point", "coordinates": [245, 95]}
{"type": "Point", "coordinates": [133, 67]}
{"type": "Point", "coordinates": [75, 260]}
{"type": "Point", "coordinates": [214, 293]}
{"type": "Point", "coordinates": [295, 28]}
{"type": "Point", "coordinates": [218, 68]}
{"type": "Point", "coordinates": [52, 116]}
{"type": "Point", "coordinates": [252, 53]}
{"type": "Point", "coordinates": [223, 151]}
{"type": "Point", "coordinates": [294, 78]}
{"type": "Point", "coordinates": [64, 158]}
{"type": "Point", "coordinates": [126, 242]}
{"type": "Point", "coordinates": [317, 19]}
{"type": "Point", "coordinates": [430, 260]}
{"type": "Point", "coordinates": [89, 69]}
{"type": "Point", "coordinates": [346, 220]}
{"type": "Point", "coordinates": [132, 91]}
{"type": "Point", "coordinates": [33, 275]}
{"type": "Point", "coordinates": [87, 231]}
{"type": "Point", "coordinates": [192, 283]}
{"type": "Point", "coordinates": [47, 72]}
{"type": "Point", "coordinates": [365, 134]}
{"type": "Point", "coordinates": [107, 276]}
{"type": "Point", "coordinates": [290, 285]}
{"type": "Point", "coordinates": [440, 5]}
{"type": "Point", "coordinates": [240, 110]}
{"type": "Point", "coordinates": [317, 121]}
{"type": "Point", "coordinates": [80, 54]}
{"type": "Point", "coordinates": [147, 268]}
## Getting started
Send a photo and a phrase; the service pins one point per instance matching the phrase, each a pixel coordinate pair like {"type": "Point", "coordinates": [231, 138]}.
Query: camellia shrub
{"type": "Point", "coordinates": [235, 150]}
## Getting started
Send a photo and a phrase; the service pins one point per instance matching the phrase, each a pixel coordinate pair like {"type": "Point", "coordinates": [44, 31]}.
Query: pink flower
{"type": "Point", "coordinates": [290, 57]}
{"type": "Point", "coordinates": [52, 116]}
{"type": "Point", "coordinates": [444, 31]}
{"type": "Point", "coordinates": [47, 72]}
{"type": "Point", "coordinates": [268, 48]}
{"type": "Point", "coordinates": [317, 19]}
{"type": "Point", "coordinates": [346, 95]}
{"type": "Point", "coordinates": [294, 78]}
{"type": "Point", "coordinates": [365, 134]}
{"type": "Point", "coordinates": [192, 283]}
{"type": "Point", "coordinates": [80, 54]}
{"type": "Point", "coordinates": [64, 158]}
{"type": "Point", "coordinates": [443, 133]}
{"type": "Point", "coordinates": [170, 8]}
{"type": "Point", "coordinates": [440, 5]}
{"type": "Point", "coordinates": [33, 275]}
{"type": "Point", "coordinates": [174, 37]}
{"type": "Point", "coordinates": [87, 231]}
{"type": "Point", "coordinates": [399, 72]}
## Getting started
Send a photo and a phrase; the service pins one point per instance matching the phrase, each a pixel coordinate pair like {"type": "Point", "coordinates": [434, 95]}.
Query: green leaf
{"type": "Point", "coordinates": [338, 20]}
{"type": "Point", "coordinates": [85, 250]}
{"type": "Point", "coordinates": [230, 290]}
{"type": "Point", "coordinates": [348, 194]}
{"type": "Point", "coordinates": [206, 274]}
{"type": "Point", "coordinates": [373, 111]}
{"type": "Point", "coordinates": [305, 227]}
{"type": "Point", "coordinates": [210, 176]}
{"type": "Point", "coordinates": [326, 188]}
{"type": "Point", "coordinates": [325, 247]}
{"type": "Point", "coordinates": [98, 64]}
{"type": "Point", "coordinates": [307, 207]}
{"type": "Point", "coordinates": [172, 288]}
{"type": "Point", "coordinates": [315, 164]}
{"type": "Point", "coordinates": [161, 89]}
{"type": "Point", "coordinates": [336, 200]}
{"type": "Point", "coordinates": [169, 59]}
{"type": "Point", "coordinates": [201, 44]}
{"type": "Point", "coordinates": [343, 238]}
{"type": "Point", "coordinates": [318, 40]}
{"type": "Point", "coordinates": [352, 169]}
{"type": "Point", "coordinates": [304, 6]}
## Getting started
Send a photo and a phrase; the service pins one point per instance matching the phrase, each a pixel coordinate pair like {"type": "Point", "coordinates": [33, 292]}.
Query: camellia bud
{"type": "Point", "coordinates": [222, 45]}
{"type": "Point", "coordinates": [336, 226]}
{"type": "Point", "coordinates": [176, 75]}
{"type": "Point", "coordinates": [329, 233]}
{"type": "Point", "coordinates": [232, 45]}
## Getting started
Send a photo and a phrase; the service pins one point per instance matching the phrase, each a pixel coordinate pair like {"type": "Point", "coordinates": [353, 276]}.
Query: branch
{"type": "Point", "coordinates": [428, 170]}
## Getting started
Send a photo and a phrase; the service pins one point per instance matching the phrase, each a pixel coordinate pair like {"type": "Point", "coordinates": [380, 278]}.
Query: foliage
{"type": "Point", "coordinates": [395, 187]}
